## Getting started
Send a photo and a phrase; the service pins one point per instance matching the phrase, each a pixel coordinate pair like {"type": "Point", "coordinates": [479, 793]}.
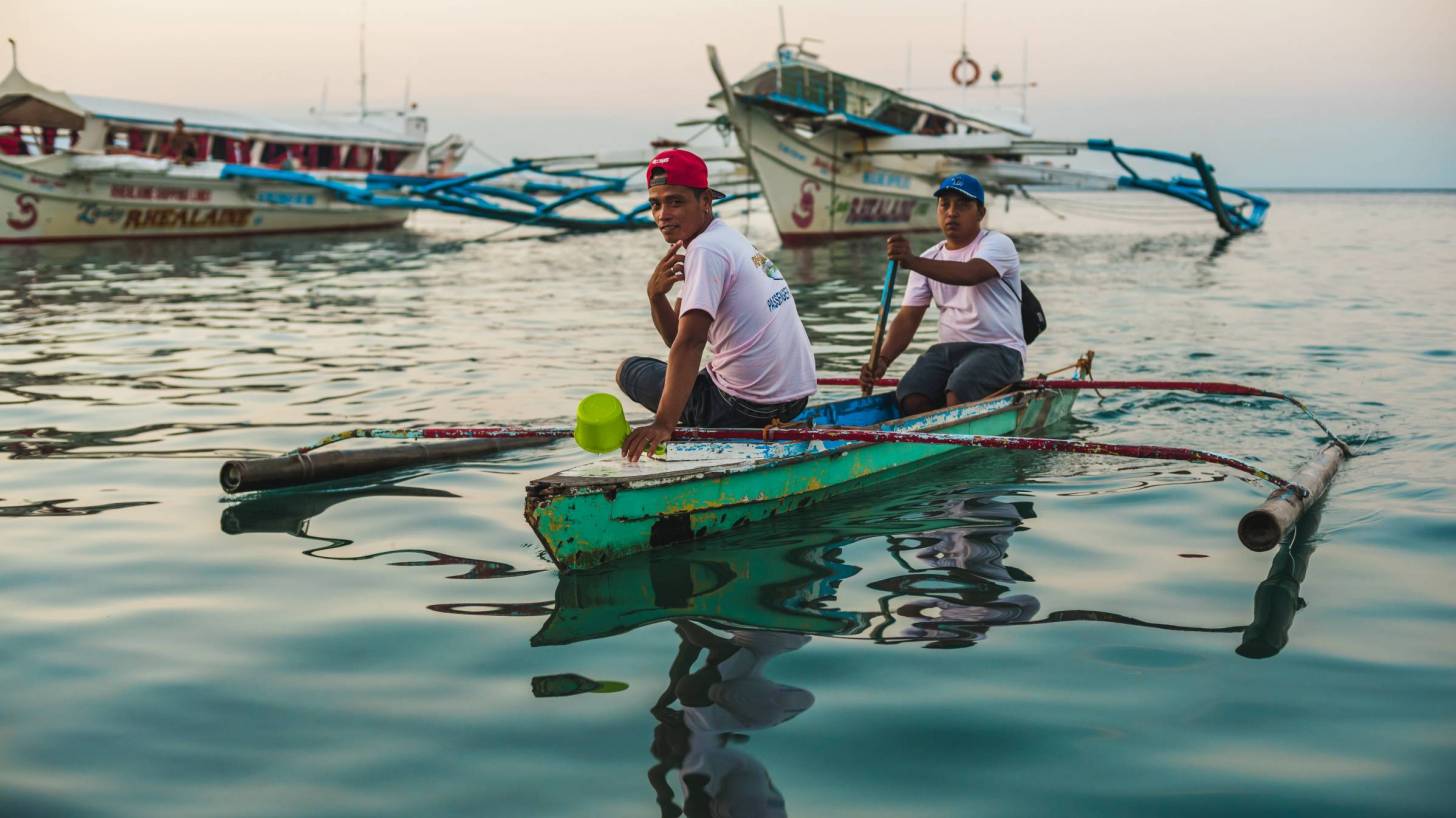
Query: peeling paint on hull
{"type": "Point", "coordinates": [588, 516]}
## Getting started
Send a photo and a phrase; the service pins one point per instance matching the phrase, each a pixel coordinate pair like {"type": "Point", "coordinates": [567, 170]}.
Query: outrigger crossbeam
{"type": "Point", "coordinates": [1245, 215]}
{"type": "Point", "coordinates": [533, 201]}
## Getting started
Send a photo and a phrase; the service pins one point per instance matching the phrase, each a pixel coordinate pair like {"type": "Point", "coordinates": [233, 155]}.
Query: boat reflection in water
{"type": "Point", "coordinates": [953, 584]}
{"type": "Point", "coordinates": [291, 512]}
{"type": "Point", "coordinates": [736, 602]}
{"type": "Point", "coordinates": [954, 587]}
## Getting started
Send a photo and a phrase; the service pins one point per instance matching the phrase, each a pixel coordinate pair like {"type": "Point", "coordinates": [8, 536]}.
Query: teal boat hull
{"type": "Point", "coordinates": [591, 515]}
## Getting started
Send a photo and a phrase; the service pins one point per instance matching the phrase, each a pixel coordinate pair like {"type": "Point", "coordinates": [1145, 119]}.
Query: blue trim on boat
{"type": "Point", "coordinates": [805, 106]}
{"type": "Point", "coordinates": [467, 196]}
{"type": "Point", "coordinates": [1245, 215]}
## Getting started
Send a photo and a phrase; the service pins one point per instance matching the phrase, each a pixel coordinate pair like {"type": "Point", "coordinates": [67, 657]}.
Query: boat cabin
{"type": "Point", "coordinates": [37, 121]}
{"type": "Point", "coordinates": [813, 97]}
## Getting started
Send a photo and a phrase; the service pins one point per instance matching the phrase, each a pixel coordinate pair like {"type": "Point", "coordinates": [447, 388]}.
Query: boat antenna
{"type": "Point", "coordinates": [781, 53]}
{"type": "Point", "coordinates": [1025, 74]}
{"type": "Point", "coordinates": [965, 53]}
{"type": "Point", "coordinates": [963, 28]}
{"type": "Point", "coordinates": [406, 107]}
{"type": "Point", "coordinates": [15, 52]}
{"type": "Point", "coordinates": [363, 78]}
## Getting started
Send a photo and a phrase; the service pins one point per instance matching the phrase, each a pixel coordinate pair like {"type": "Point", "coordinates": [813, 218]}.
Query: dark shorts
{"type": "Point", "coordinates": [708, 406]}
{"type": "Point", "coordinates": [970, 370]}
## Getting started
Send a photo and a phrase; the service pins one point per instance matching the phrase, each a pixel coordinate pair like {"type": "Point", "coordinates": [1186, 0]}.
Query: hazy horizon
{"type": "Point", "coordinates": [1293, 94]}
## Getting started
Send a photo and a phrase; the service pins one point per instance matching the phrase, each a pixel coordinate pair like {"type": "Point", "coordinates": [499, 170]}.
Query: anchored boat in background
{"type": "Point", "coordinates": [837, 156]}
{"type": "Point", "coordinates": [82, 168]}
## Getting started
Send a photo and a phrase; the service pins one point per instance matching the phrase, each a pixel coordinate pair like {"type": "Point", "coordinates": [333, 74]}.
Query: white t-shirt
{"type": "Point", "coordinates": [986, 313]}
{"type": "Point", "coordinates": [760, 349]}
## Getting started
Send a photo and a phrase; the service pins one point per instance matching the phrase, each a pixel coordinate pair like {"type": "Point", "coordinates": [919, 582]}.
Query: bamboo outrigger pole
{"type": "Point", "coordinates": [301, 466]}
{"type": "Point", "coordinates": [1201, 387]}
{"type": "Point", "coordinates": [1264, 527]}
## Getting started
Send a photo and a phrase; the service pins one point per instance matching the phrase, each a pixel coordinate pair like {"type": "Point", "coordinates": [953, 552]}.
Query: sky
{"type": "Point", "coordinates": [1313, 93]}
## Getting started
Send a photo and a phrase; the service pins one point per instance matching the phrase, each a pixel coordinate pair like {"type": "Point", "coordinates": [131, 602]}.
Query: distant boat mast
{"type": "Point", "coordinates": [363, 77]}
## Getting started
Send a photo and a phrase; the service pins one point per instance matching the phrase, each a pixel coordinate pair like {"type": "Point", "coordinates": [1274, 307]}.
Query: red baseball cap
{"type": "Point", "coordinates": [680, 167]}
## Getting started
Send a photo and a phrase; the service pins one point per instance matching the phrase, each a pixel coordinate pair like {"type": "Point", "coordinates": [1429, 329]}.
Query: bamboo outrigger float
{"type": "Point", "coordinates": [1264, 527]}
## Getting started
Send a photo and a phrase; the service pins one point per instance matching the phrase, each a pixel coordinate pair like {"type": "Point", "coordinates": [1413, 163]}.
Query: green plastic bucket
{"type": "Point", "coordinates": [600, 424]}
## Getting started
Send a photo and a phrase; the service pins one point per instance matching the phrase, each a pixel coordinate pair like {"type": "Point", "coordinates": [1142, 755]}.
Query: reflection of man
{"type": "Point", "coordinates": [969, 549]}
{"type": "Point", "coordinates": [727, 695]}
{"type": "Point", "coordinates": [972, 557]}
{"type": "Point", "coordinates": [964, 623]}
{"type": "Point", "coordinates": [977, 549]}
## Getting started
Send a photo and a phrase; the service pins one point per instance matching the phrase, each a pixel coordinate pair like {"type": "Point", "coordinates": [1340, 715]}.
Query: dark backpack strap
{"type": "Point", "coordinates": [1014, 293]}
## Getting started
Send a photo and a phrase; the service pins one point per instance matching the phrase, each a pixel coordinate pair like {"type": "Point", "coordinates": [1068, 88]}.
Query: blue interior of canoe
{"type": "Point", "coordinates": [870, 411]}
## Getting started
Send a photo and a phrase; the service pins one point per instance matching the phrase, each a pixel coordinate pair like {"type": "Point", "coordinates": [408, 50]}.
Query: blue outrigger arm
{"type": "Point", "coordinates": [467, 196]}
{"type": "Point", "coordinates": [1244, 215]}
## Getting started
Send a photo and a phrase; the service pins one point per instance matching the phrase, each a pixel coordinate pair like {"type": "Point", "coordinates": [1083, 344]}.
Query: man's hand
{"type": "Point", "coordinates": [897, 248]}
{"type": "Point", "coordinates": [645, 439]}
{"type": "Point", "coordinates": [868, 375]}
{"type": "Point", "coordinates": [668, 273]}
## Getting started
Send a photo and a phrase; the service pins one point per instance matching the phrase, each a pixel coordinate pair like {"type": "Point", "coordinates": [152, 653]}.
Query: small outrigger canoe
{"type": "Point", "coordinates": [711, 480]}
{"type": "Point", "coordinates": [610, 508]}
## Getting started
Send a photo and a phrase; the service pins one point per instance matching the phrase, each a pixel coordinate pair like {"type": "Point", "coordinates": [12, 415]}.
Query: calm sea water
{"type": "Point", "coordinates": [1007, 635]}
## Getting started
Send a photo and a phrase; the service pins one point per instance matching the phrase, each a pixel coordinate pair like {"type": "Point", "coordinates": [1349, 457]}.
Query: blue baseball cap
{"type": "Point", "coordinates": [964, 184]}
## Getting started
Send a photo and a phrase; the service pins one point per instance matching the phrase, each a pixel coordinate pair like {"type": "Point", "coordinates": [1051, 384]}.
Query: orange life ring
{"type": "Point", "coordinates": [955, 71]}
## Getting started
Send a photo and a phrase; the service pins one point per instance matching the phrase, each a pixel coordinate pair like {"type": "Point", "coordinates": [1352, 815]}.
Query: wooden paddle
{"type": "Point", "coordinates": [888, 290]}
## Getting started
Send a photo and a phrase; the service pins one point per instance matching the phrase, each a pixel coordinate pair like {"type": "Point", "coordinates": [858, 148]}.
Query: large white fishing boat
{"type": "Point", "coordinates": [838, 156]}
{"type": "Point", "coordinates": [82, 168]}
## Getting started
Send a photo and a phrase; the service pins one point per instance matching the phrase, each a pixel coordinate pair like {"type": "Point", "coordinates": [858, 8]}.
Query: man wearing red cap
{"type": "Point", "coordinates": [734, 302]}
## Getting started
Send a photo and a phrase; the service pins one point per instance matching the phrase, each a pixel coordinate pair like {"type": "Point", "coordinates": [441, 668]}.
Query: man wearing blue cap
{"type": "Point", "coordinates": [974, 278]}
